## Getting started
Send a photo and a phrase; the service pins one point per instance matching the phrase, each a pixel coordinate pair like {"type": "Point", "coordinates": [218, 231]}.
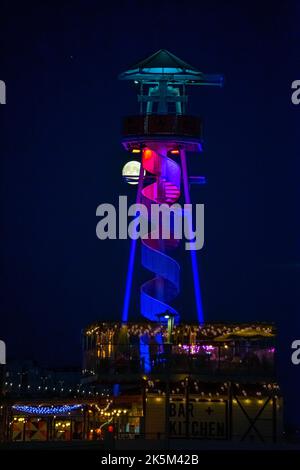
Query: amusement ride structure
{"type": "Point", "coordinates": [159, 378]}
{"type": "Point", "coordinates": [162, 134]}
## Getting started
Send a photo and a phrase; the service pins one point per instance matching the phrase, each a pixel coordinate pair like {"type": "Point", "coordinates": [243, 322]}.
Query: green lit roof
{"type": "Point", "coordinates": [163, 64]}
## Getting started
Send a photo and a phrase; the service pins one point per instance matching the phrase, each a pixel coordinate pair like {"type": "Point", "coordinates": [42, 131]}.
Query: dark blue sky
{"type": "Point", "coordinates": [61, 157]}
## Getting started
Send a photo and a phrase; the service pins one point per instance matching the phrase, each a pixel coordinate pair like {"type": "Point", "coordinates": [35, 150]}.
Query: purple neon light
{"type": "Point", "coordinates": [193, 252]}
{"type": "Point", "coordinates": [158, 293]}
{"type": "Point", "coordinates": [131, 257]}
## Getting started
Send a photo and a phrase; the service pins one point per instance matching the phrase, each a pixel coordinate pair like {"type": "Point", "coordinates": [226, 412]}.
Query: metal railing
{"type": "Point", "coordinates": [178, 125]}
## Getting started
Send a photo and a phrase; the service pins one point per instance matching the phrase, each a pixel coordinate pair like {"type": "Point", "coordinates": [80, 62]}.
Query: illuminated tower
{"type": "Point", "coordinates": [162, 134]}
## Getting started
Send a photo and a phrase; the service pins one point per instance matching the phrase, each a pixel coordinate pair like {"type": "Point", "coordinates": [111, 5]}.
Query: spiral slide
{"type": "Point", "coordinates": [159, 292]}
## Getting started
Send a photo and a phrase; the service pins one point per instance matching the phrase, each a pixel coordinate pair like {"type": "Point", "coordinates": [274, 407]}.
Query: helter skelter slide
{"type": "Point", "coordinates": [158, 293]}
{"type": "Point", "coordinates": [162, 134]}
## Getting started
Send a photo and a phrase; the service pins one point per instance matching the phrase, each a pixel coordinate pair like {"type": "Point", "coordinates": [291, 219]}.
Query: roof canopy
{"type": "Point", "coordinates": [163, 65]}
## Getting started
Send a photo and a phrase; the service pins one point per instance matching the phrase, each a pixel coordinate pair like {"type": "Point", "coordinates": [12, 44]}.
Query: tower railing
{"type": "Point", "coordinates": [159, 124]}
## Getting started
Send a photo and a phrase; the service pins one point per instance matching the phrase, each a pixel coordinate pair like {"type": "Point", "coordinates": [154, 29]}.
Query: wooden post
{"type": "Point", "coordinates": [48, 424]}
{"type": "Point", "coordinates": [7, 427]}
{"type": "Point", "coordinates": [52, 429]}
{"type": "Point", "coordinates": [88, 425]}
{"type": "Point", "coordinates": [187, 407]}
{"type": "Point", "coordinates": [274, 419]}
{"type": "Point", "coordinates": [24, 430]}
{"type": "Point", "coordinates": [84, 432]}
{"type": "Point", "coordinates": [4, 434]}
{"type": "Point", "coordinates": [167, 408]}
{"type": "Point", "coordinates": [144, 405]}
{"type": "Point", "coordinates": [229, 411]}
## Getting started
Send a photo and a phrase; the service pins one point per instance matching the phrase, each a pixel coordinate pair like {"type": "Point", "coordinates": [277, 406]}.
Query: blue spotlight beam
{"type": "Point", "coordinates": [132, 252]}
{"type": "Point", "coordinates": [196, 278]}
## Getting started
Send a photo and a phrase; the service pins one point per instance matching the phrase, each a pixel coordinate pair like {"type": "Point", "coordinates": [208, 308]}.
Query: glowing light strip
{"type": "Point", "coordinates": [157, 293]}
{"type": "Point", "coordinates": [131, 257]}
{"type": "Point", "coordinates": [193, 252]}
{"type": "Point", "coordinates": [145, 356]}
{"type": "Point", "coordinates": [46, 410]}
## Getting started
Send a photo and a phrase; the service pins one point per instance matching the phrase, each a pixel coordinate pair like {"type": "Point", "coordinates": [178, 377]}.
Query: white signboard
{"type": "Point", "coordinates": [207, 420]}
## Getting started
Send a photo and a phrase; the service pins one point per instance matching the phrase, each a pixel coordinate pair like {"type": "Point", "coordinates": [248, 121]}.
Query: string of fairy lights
{"type": "Point", "coordinates": [195, 387]}
{"type": "Point", "coordinates": [206, 331]}
{"type": "Point", "coordinates": [155, 389]}
{"type": "Point", "coordinates": [110, 411]}
{"type": "Point", "coordinates": [208, 391]}
{"type": "Point", "coordinates": [46, 410]}
{"type": "Point", "coordinates": [11, 388]}
{"type": "Point", "coordinates": [106, 412]}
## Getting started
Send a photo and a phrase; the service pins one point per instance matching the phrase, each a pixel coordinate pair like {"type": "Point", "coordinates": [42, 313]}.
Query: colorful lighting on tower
{"type": "Point", "coordinates": [46, 410]}
{"type": "Point", "coordinates": [163, 133]}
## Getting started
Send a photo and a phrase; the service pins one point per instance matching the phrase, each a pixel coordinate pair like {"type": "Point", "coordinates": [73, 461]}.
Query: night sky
{"type": "Point", "coordinates": [61, 157]}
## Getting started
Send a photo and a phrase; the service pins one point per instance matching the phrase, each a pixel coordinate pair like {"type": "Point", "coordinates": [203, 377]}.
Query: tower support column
{"type": "Point", "coordinates": [195, 269]}
{"type": "Point", "coordinates": [132, 255]}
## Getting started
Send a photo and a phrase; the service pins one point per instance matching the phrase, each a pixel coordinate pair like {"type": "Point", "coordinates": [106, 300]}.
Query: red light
{"type": "Point", "coordinates": [148, 153]}
{"type": "Point", "coordinates": [174, 152]}
{"type": "Point", "coordinates": [110, 428]}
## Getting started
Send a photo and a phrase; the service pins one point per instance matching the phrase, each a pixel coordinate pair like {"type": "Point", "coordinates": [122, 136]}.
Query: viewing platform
{"type": "Point", "coordinates": [211, 352]}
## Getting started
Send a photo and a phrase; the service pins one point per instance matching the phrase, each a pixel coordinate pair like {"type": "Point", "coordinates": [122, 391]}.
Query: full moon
{"type": "Point", "coordinates": [132, 169]}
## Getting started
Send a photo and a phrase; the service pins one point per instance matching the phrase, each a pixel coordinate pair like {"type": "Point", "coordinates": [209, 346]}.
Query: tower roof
{"type": "Point", "coordinates": [164, 65]}
{"type": "Point", "coordinates": [164, 59]}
